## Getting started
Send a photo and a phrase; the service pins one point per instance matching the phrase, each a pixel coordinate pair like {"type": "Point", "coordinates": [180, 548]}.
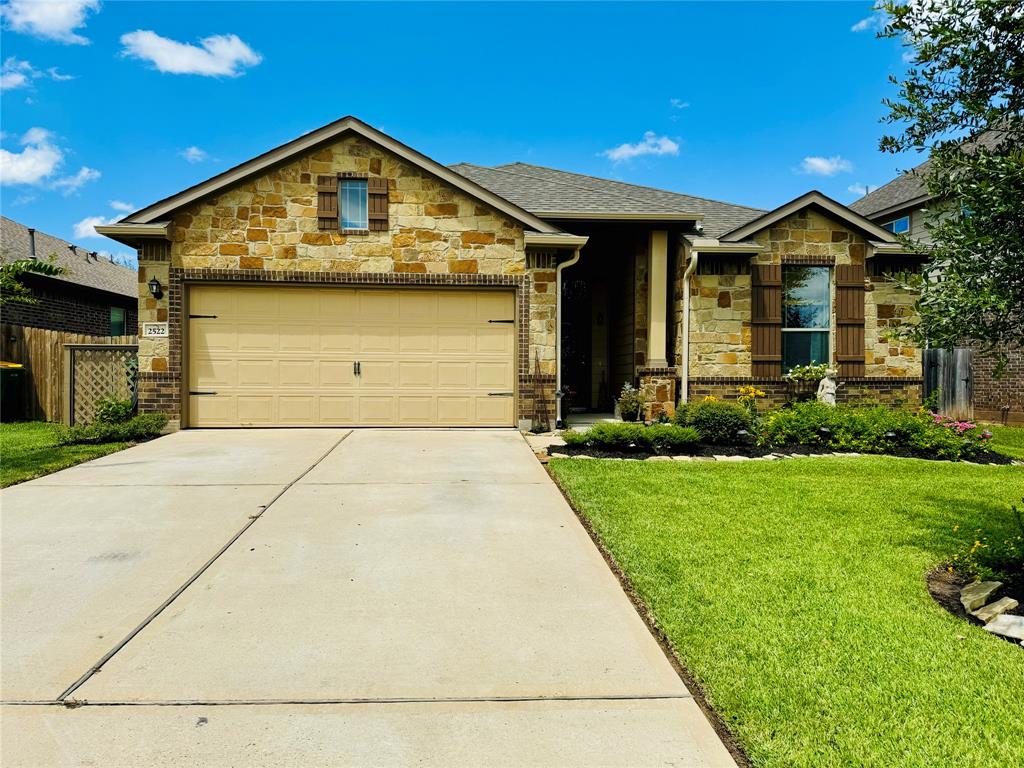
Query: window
{"type": "Point", "coordinates": [117, 321]}
{"type": "Point", "coordinates": [352, 196]}
{"type": "Point", "coordinates": [898, 226]}
{"type": "Point", "coordinates": [806, 315]}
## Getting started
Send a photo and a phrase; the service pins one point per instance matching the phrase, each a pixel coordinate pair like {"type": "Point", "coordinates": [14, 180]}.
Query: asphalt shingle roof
{"type": "Point", "coordinates": [900, 191]}
{"type": "Point", "coordinates": [543, 190]}
{"type": "Point", "coordinates": [82, 268]}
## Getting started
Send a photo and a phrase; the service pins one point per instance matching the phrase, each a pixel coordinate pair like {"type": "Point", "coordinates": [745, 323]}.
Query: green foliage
{"type": "Point", "coordinates": [962, 100]}
{"type": "Point", "coordinates": [111, 410]}
{"type": "Point", "coordinates": [875, 429]}
{"type": "Point", "coordinates": [618, 437]}
{"type": "Point", "coordinates": [140, 427]}
{"type": "Point", "coordinates": [12, 290]}
{"type": "Point", "coordinates": [630, 401]}
{"type": "Point", "coordinates": [718, 422]}
{"type": "Point", "coordinates": [994, 556]}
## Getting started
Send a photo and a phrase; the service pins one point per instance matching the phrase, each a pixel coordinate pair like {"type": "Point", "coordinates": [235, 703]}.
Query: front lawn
{"type": "Point", "coordinates": [1009, 441]}
{"type": "Point", "coordinates": [28, 449]}
{"type": "Point", "coordinates": [794, 592]}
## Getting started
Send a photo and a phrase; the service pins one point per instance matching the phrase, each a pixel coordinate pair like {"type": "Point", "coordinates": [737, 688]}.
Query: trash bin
{"type": "Point", "coordinates": [12, 391]}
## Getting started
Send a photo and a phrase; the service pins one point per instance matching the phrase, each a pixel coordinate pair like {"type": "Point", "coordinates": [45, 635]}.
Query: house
{"type": "Point", "coordinates": [905, 207]}
{"type": "Point", "coordinates": [344, 278]}
{"type": "Point", "coordinates": [94, 296]}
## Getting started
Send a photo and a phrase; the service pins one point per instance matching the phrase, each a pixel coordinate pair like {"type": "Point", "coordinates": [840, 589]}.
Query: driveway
{"type": "Point", "coordinates": [324, 597]}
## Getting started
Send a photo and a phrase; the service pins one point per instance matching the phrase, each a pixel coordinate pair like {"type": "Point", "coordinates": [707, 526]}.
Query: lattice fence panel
{"type": "Point", "coordinates": [100, 371]}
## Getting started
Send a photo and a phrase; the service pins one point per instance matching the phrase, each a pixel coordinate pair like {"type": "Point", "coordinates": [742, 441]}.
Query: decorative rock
{"type": "Point", "coordinates": [659, 458]}
{"type": "Point", "coordinates": [1007, 625]}
{"type": "Point", "coordinates": [554, 455]}
{"type": "Point", "coordinates": [770, 457]}
{"type": "Point", "coordinates": [682, 458]}
{"type": "Point", "coordinates": [992, 610]}
{"type": "Point", "coordinates": [976, 594]}
{"type": "Point", "coordinates": [582, 456]}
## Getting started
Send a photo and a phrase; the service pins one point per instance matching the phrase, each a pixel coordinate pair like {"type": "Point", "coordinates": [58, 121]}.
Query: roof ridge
{"type": "Point", "coordinates": [627, 184]}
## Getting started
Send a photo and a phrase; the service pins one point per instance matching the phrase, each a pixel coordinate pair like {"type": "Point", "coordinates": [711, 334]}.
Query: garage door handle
{"type": "Point", "coordinates": [500, 394]}
{"type": "Point", "coordinates": [357, 369]}
{"type": "Point", "coordinates": [202, 393]}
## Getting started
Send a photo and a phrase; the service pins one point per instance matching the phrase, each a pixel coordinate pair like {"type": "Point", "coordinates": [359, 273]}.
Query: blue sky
{"type": "Point", "coordinates": [112, 104]}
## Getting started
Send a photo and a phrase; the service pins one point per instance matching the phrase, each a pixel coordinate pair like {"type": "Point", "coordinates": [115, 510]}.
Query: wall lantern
{"type": "Point", "coordinates": [155, 289]}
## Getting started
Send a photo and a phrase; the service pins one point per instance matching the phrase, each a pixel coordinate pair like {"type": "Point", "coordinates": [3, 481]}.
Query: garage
{"type": "Point", "coordinates": [344, 356]}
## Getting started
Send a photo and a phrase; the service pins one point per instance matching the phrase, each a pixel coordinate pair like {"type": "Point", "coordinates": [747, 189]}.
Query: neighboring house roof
{"type": "Point", "coordinates": [551, 193]}
{"type": "Point", "coordinates": [815, 198]}
{"type": "Point", "coordinates": [909, 188]}
{"type": "Point", "coordinates": [83, 267]}
{"type": "Point", "coordinates": [161, 209]}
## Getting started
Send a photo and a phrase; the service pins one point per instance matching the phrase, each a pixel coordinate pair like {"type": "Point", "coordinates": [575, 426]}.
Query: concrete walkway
{"type": "Point", "coordinates": [324, 597]}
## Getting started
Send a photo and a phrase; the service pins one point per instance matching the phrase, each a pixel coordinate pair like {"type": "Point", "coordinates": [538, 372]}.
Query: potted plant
{"type": "Point", "coordinates": [630, 402]}
{"type": "Point", "coordinates": [802, 380]}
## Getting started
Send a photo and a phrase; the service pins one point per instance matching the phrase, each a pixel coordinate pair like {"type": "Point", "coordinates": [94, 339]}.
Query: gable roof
{"type": "Point", "coordinates": [84, 267]}
{"type": "Point", "coordinates": [161, 209]}
{"type": "Point", "coordinates": [817, 199]}
{"type": "Point", "coordinates": [904, 191]}
{"type": "Point", "coordinates": [555, 194]}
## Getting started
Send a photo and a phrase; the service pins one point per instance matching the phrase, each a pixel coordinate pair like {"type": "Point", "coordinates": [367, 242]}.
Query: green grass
{"type": "Point", "coordinates": [1007, 440]}
{"type": "Point", "coordinates": [794, 592]}
{"type": "Point", "coordinates": [27, 450]}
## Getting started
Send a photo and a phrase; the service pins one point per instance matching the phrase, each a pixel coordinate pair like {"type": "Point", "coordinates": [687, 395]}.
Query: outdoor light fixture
{"type": "Point", "coordinates": [890, 435]}
{"type": "Point", "coordinates": [155, 289]}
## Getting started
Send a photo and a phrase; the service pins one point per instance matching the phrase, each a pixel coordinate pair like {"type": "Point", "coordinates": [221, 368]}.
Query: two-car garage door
{"type": "Point", "coordinates": [283, 356]}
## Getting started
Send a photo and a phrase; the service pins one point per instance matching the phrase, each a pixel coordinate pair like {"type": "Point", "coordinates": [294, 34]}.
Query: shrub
{"type": "Point", "coordinates": [717, 421]}
{"type": "Point", "coordinates": [668, 438]}
{"type": "Point", "coordinates": [875, 429]}
{"type": "Point", "coordinates": [994, 557]}
{"type": "Point", "coordinates": [139, 427]}
{"type": "Point", "coordinates": [111, 410]}
{"type": "Point", "coordinates": [630, 402]}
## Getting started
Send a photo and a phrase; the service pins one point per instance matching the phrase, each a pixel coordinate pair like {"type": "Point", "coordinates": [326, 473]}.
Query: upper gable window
{"type": "Point", "coordinates": [352, 199]}
{"type": "Point", "coordinates": [898, 226]}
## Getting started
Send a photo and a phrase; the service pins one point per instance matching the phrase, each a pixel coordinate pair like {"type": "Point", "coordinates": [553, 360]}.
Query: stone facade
{"type": "Point", "coordinates": [268, 226]}
{"type": "Point", "coordinates": [720, 310]}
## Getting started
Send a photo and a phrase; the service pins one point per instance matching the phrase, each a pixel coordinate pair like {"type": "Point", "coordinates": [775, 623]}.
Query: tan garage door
{"type": "Point", "coordinates": [261, 356]}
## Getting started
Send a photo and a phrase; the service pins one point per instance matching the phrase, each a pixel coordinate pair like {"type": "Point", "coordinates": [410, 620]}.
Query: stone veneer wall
{"type": "Point", "coordinates": [720, 344]}
{"type": "Point", "coordinates": [268, 224]}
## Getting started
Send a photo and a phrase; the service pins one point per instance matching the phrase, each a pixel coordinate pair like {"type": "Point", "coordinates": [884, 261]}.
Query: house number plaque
{"type": "Point", "coordinates": [155, 330]}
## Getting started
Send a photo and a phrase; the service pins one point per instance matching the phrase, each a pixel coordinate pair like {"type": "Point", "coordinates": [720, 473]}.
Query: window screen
{"type": "Point", "coordinates": [352, 196]}
{"type": "Point", "coordinates": [806, 315]}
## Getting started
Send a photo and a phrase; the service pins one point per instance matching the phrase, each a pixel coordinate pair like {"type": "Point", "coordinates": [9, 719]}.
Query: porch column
{"type": "Point", "coordinates": [657, 300]}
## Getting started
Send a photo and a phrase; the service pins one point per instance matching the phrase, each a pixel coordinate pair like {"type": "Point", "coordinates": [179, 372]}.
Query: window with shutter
{"type": "Point", "coordinates": [327, 203]}
{"type": "Point", "coordinates": [377, 198]}
{"type": "Point", "coordinates": [766, 320]}
{"type": "Point", "coordinates": [850, 319]}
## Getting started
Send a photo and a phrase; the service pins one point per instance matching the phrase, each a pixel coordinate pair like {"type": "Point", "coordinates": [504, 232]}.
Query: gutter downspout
{"type": "Point", "coordinates": [684, 367]}
{"type": "Point", "coordinates": [558, 334]}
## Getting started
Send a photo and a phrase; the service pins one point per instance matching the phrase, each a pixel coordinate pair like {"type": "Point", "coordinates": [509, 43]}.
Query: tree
{"type": "Point", "coordinates": [12, 290]}
{"type": "Point", "coordinates": [962, 101]}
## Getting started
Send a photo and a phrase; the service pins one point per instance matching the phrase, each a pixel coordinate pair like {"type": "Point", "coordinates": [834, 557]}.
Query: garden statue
{"type": "Point", "coordinates": [827, 387]}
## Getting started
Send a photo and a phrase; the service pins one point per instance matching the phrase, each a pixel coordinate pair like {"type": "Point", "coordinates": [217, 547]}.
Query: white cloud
{"type": "Point", "coordinates": [219, 54]}
{"type": "Point", "coordinates": [70, 184]}
{"type": "Point", "coordinates": [876, 22]}
{"type": "Point", "coordinates": [87, 226]}
{"type": "Point", "coordinates": [825, 166]}
{"type": "Point", "coordinates": [194, 154]}
{"type": "Point", "coordinates": [860, 189]}
{"type": "Point", "coordinates": [679, 103]}
{"type": "Point", "coordinates": [651, 145]}
{"type": "Point", "coordinates": [52, 20]}
{"type": "Point", "coordinates": [16, 73]}
{"type": "Point", "coordinates": [39, 159]}
{"type": "Point", "coordinates": [119, 205]}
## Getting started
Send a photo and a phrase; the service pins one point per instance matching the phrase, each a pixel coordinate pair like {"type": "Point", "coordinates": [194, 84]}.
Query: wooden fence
{"type": "Point", "coordinates": [41, 351]}
{"type": "Point", "coordinates": [949, 371]}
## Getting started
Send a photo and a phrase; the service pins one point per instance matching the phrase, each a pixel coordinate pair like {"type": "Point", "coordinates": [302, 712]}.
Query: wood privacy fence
{"type": "Point", "coordinates": [41, 351]}
{"type": "Point", "coordinates": [950, 372]}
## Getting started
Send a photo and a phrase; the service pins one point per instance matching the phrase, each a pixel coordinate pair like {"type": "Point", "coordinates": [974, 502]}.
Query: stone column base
{"type": "Point", "coordinates": [658, 387]}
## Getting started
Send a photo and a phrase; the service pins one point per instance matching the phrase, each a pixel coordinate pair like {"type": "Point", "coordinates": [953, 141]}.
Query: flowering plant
{"type": "Point", "coordinates": [807, 372]}
{"type": "Point", "coordinates": [748, 395]}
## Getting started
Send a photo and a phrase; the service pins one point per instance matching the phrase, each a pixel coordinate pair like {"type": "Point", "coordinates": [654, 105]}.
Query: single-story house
{"type": "Point", "coordinates": [94, 296]}
{"type": "Point", "coordinates": [344, 278]}
{"type": "Point", "coordinates": [904, 206]}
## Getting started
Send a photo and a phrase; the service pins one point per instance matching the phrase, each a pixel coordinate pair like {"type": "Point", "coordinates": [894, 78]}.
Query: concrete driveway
{"type": "Point", "coordinates": [324, 597]}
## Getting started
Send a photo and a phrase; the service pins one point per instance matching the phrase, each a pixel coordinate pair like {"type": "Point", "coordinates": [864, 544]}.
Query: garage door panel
{"type": "Point", "coordinates": [286, 356]}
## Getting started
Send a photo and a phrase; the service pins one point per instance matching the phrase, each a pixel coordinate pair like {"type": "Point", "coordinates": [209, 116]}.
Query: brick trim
{"type": "Point", "coordinates": [880, 380]}
{"type": "Point", "coordinates": [163, 390]}
{"type": "Point", "coordinates": [809, 261]}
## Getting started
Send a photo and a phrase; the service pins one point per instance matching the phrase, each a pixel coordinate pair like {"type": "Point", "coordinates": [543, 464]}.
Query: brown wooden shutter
{"type": "Point", "coordinates": [766, 320]}
{"type": "Point", "coordinates": [327, 202]}
{"type": "Point", "coordinates": [850, 319]}
{"type": "Point", "coordinates": [377, 203]}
